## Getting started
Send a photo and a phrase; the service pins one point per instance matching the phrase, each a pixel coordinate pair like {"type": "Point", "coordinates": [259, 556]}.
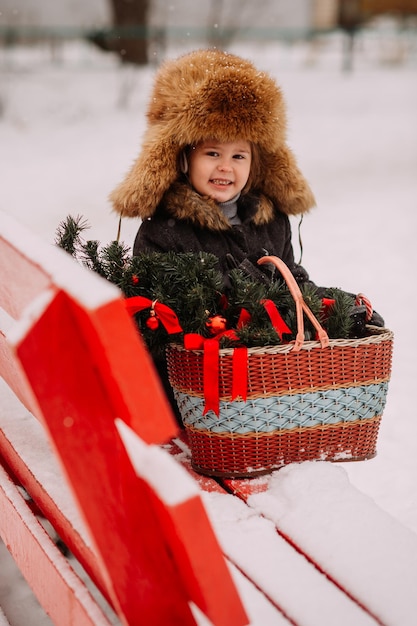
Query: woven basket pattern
{"type": "Point", "coordinates": [318, 403]}
{"type": "Point", "coordinates": [276, 370]}
{"type": "Point", "coordinates": [241, 456]}
{"type": "Point", "coordinates": [346, 404]}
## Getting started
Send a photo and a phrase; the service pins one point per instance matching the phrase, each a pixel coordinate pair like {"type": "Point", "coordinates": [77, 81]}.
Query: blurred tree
{"type": "Point", "coordinates": [350, 18]}
{"type": "Point", "coordinates": [350, 14]}
{"type": "Point", "coordinates": [128, 37]}
{"type": "Point", "coordinates": [131, 16]}
{"type": "Point", "coordinates": [354, 13]}
{"type": "Point", "coordinates": [401, 8]}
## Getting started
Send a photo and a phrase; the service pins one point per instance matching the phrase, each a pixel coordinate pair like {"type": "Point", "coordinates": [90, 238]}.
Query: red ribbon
{"type": "Point", "coordinates": [276, 318]}
{"type": "Point", "coordinates": [193, 341]}
{"type": "Point", "coordinates": [163, 312]}
{"type": "Point", "coordinates": [327, 304]}
{"type": "Point", "coordinates": [211, 376]}
{"type": "Point", "coordinates": [244, 318]}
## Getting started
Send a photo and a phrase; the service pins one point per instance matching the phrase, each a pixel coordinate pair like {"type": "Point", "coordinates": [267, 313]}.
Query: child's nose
{"type": "Point", "coordinates": [225, 165]}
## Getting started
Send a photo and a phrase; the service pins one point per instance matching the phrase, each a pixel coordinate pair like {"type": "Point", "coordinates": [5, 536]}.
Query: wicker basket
{"type": "Point", "coordinates": [313, 400]}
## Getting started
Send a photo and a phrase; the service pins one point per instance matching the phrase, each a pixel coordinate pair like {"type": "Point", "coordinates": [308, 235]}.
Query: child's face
{"type": "Point", "coordinates": [220, 170]}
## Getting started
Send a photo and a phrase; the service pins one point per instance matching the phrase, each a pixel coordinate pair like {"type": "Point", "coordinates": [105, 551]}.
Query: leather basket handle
{"type": "Point", "coordinates": [300, 305]}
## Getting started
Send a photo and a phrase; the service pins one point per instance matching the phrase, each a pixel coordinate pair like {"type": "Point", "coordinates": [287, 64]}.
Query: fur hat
{"type": "Point", "coordinates": [209, 94]}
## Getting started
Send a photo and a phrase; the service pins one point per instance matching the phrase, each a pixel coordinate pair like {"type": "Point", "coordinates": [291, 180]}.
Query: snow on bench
{"type": "Point", "coordinates": [368, 552]}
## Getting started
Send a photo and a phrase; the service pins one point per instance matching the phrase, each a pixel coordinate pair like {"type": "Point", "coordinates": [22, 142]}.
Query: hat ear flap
{"type": "Point", "coordinates": [283, 182]}
{"type": "Point", "coordinates": [150, 176]}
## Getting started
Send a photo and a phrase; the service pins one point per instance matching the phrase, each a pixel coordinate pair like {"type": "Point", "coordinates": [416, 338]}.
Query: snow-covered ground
{"type": "Point", "coordinates": [69, 132]}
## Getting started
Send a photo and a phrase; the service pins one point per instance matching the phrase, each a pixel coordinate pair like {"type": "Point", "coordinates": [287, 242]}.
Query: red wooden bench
{"type": "Point", "coordinates": [86, 430]}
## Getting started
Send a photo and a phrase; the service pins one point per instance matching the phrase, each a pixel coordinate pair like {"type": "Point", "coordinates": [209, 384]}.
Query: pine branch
{"type": "Point", "coordinates": [339, 323]}
{"type": "Point", "coordinates": [89, 256]}
{"type": "Point", "coordinates": [314, 303]}
{"type": "Point", "coordinates": [68, 234]}
{"type": "Point", "coordinates": [114, 259]}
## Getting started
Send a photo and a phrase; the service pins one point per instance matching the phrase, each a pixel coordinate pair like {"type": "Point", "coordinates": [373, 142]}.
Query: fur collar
{"type": "Point", "coordinates": [181, 202]}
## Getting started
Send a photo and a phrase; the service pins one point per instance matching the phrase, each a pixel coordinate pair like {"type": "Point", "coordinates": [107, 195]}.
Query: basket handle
{"type": "Point", "coordinates": [300, 305]}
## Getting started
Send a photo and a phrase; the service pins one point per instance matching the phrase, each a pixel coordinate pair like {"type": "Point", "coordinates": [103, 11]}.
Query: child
{"type": "Point", "coordinates": [215, 173]}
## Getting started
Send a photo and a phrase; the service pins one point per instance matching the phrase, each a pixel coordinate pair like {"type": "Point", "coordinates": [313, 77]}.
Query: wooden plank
{"type": "Point", "coordinates": [143, 579]}
{"type": "Point", "coordinates": [21, 279]}
{"type": "Point", "coordinates": [185, 525]}
{"type": "Point", "coordinates": [59, 590]}
{"type": "Point", "coordinates": [24, 447]}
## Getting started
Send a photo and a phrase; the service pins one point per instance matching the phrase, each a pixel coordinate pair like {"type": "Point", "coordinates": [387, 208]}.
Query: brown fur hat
{"type": "Point", "coordinates": [209, 94]}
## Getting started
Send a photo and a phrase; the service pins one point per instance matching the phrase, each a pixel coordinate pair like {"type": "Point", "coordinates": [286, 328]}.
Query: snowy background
{"type": "Point", "coordinates": [70, 130]}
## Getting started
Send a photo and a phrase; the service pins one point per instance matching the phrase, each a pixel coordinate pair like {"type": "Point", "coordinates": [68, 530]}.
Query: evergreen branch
{"type": "Point", "coordinates": [68, 234]}
{"type": "Point", "coordinates": [192, 285]}
{"type": "Point", "coordinates": [339, 323]}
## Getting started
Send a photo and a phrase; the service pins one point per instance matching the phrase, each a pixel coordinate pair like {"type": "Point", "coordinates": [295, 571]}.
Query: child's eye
{"type": "Point", "coordinates": [212, 153]}
{"type": "Point", "coordinates": [239, 156]}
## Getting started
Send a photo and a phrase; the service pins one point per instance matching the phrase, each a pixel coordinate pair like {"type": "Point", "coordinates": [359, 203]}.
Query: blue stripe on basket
{"type": "Point", "coordinates": [345, 404]}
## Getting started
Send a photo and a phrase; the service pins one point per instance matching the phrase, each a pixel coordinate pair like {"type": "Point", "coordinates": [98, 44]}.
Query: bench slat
{"type": "Point", "coordinates": [77, 412]}
{"type": "Point", "coordinates": [62, 594]}
{"type": "Point", "coordinates": [370, 555]}
{"type": "Point", "coordinates": [21, 279]}
{"type": "Point", "coordinates": [24, 447]}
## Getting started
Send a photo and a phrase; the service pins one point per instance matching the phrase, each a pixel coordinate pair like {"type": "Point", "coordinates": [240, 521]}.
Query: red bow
{"type": "Point", "coordinates": [166, 315]}
{"type": "Point", "coordinates": [193, 341]}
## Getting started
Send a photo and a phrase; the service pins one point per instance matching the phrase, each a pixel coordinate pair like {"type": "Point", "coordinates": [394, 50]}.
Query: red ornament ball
{"type": "Point", "coordinates": [152, 322]}
{"type": "Point", "coordinates": [216, 324]}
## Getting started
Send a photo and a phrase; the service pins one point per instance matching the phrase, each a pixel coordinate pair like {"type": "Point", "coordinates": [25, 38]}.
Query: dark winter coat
{"type": "Point", "coordinates": [187, 222]}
